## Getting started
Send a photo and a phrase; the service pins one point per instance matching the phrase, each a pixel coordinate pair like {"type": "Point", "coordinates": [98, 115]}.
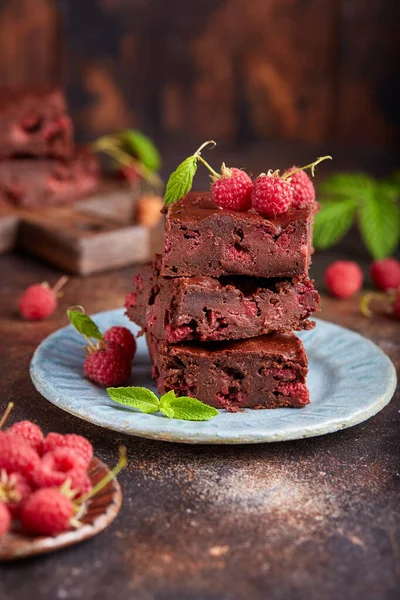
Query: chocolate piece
{"type": "Point", "coordinates": [34, 122]}
{"type": "Point", "coordinates": [31, 183]}
{"type": "Point", "coordinates": [263, 372]}
{"type": "Point", "coordinates": [209, 309]}
{"type": "Point", "coordinates": [202, 239]}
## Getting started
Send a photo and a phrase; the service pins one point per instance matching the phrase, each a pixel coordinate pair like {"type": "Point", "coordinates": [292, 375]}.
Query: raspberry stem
{"type": "Point", "coordinates": [6, 414]}
{"type": "Point", "coordinates": [122, 462]}
{"type": "Point", "coordinates": [197, 155]}
{"type": "Point", "coordinates": [60, 283]}
{"type": "Point", "coordinates": [366, 299]}
{"type": "Point", "coordinates": [311, 166]}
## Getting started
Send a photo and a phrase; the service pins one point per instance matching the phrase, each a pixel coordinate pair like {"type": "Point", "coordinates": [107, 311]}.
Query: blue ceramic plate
{"type": "Point", "coordinates": [350, 380]}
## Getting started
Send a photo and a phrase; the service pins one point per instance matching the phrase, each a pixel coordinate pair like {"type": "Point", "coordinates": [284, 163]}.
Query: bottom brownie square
{"type": "Point", "coordinates": [263, 372]}
{"type": "Point", "coordinates": [31, 183]}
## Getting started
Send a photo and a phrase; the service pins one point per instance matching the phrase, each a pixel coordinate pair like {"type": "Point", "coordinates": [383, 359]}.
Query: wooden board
{"type": "Point", "coordinates": [95, 234]}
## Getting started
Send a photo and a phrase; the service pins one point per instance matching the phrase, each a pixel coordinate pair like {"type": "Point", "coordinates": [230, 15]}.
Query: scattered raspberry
{"type": "Point", "coordinates": [47, 511]}
{"type": "Point", "coordinates": [30, 432]}
{"type": "Point", "coordinates": [108, 366]}
{"type": "Point", "coordinates": [58, 466]}
{"type": "Point", "coordinates": [304, 191]}
{"type": "Point", "coordinates": [77, 443]}
{"type": "Point", "coordinates": [5, 519]}
{"type": "Point", "coordinates": [123, 337]}
{"type": "Point", "coordinates": [14, 490]}
{"type": "Point", "coordinates": [37, 302]}
{"type": "Point", "coordinates": [386, 273]}
{"type": "Point", "coordinates": [16, 455]}
{"type": "Point", "coordinates": [271, 195]}
{"type": "Point", "coordinates": [232, 190]}
{"type": "Point", "coordinates": [343, 278]}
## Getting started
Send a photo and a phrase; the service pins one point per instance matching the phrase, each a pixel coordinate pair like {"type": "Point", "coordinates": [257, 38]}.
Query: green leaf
{"type": "Point", "coordinates": [180, 181]}
{"type": "Point", "coordinates": [190, 409]}
{"type": "Point", "coordinates": [165, 402]}
{"type": "Point", "coordinates": [84, 324]}
{"type": "Point", "coordinates": [379, 221]}
{"type": "Point", "coordinates": [333, 221]}
{"type": "Point", "coordinates": [354, 186]}
{"type": "Point", "coordinates": [142, 148]}
{"type": "Point", "coordinates": [135, 397]}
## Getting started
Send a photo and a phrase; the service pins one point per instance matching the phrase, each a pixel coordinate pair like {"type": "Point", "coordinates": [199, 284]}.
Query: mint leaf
{"type": "Point", "coordinates": [135, 397]}
{"type": "Point", "coordinates": [190, 409]}
{"type": "Point", "coordinates": [379, 221]}
{"type": "Point", "coordinates": [348, 185]}
{"type": "Point", "coordinates": [165, 404]}
{"type": "Point", "coordinates": [142, 148]}
{"type": "Point", "coordinates": [180, 181]}
{"type": "Point", "coordinates": [333, 221]}
{"type": "Point", "coordinates": [84, 324]}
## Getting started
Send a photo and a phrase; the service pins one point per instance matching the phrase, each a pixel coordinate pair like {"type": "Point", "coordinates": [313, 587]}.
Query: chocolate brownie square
{"type": "Point", "coordinates": [263, 372]}
{"type": "Point", "coordinates": [211, 309]}
{"type": "Point", "coordinates": [31, 183]}
{"type": "Point", "coordinates": [203, 239]}
{"type": "Point", "coordinates": [34, 123]}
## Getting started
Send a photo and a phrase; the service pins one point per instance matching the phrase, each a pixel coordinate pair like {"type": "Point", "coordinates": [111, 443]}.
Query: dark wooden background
{"type": "Point", "coordinates": [234, 70]}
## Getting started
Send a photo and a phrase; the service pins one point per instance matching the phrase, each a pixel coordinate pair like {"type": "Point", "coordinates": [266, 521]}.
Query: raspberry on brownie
{"type": "Point", "coordinates": [201, 238]}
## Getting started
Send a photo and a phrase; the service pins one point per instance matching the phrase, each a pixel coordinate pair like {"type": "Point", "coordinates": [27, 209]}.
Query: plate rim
{"type": "Point", "coordinates": [332, 426]}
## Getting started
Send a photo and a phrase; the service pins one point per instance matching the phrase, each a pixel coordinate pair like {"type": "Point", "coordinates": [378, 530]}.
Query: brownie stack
{"type": "Point", "coordinates": [221, 303]}
{"type": "Point", "coordinates": [39, 164]}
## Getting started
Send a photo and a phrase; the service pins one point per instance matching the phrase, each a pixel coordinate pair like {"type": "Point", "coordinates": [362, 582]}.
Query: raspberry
{"type": "Point", "coordinates": [47, 511]}
{"type": "Point", "coordinates": [39, 301]}
{"type": "Point", "coordinates": [298, 391]}
{"type": "Point", "coordinates": [86, 486]}
{"type": "Point", "coordinates": [304, 191]}
{"type": "Point", "coordinates": [108, 366]}
{"type": "Point", "coordinates": [17, 455]}
{"type": "Point", "coordinates": [77, 443]}
{"type": "Point", "coordinates": [386, 273]}
{"type": "Point", "coordinates": [14, 490]}
{"type": "Point", "coordinates": [58, 466]}
{"type": "Point", "coordinates": [232, 189]}
{"type": "Point", "coordinates": [30, 432]}
{"type": "Point", "coordinates": [343, 278]}
{"type": "Point", "coordinates": [123, 337]}
{"type": "Point", "coordinates": [271, 195]}
{"type": "Point", "coordinates": [5, 519]}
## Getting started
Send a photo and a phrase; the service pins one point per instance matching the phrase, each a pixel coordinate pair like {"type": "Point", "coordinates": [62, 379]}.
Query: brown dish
{"type": "Point", "coordinates": [101, 511]}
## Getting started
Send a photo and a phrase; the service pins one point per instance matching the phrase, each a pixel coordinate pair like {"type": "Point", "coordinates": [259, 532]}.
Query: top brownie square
{"type": "Point", "coordinates": [34, 123]}
{"type": "Point", "coordinates": [202, 239]}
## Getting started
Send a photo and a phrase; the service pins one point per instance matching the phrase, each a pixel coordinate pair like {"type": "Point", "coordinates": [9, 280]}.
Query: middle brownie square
{"type": "Point", "coordinates": [218, 309]}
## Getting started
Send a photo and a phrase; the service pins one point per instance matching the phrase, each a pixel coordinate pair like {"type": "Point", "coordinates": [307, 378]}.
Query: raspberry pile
{"type": "Point", "coordinates": [44, 481]}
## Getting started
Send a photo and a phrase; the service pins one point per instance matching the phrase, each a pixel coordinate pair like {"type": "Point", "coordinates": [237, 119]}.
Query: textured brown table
{"type": "Point", "coordinates": [310, 519]}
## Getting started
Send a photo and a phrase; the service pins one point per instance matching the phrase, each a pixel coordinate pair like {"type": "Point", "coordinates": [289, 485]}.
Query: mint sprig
{"type": "Point", "coordinates": [144, 400]}
{"type": "Point", "coordinates": [372, 204]}
{"type": "Point", "coordinates": [181, 180]}
{"type": "Point", "coordinates": [142, 147]}
{"type": "Point", "coordinates": [84, 324]}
